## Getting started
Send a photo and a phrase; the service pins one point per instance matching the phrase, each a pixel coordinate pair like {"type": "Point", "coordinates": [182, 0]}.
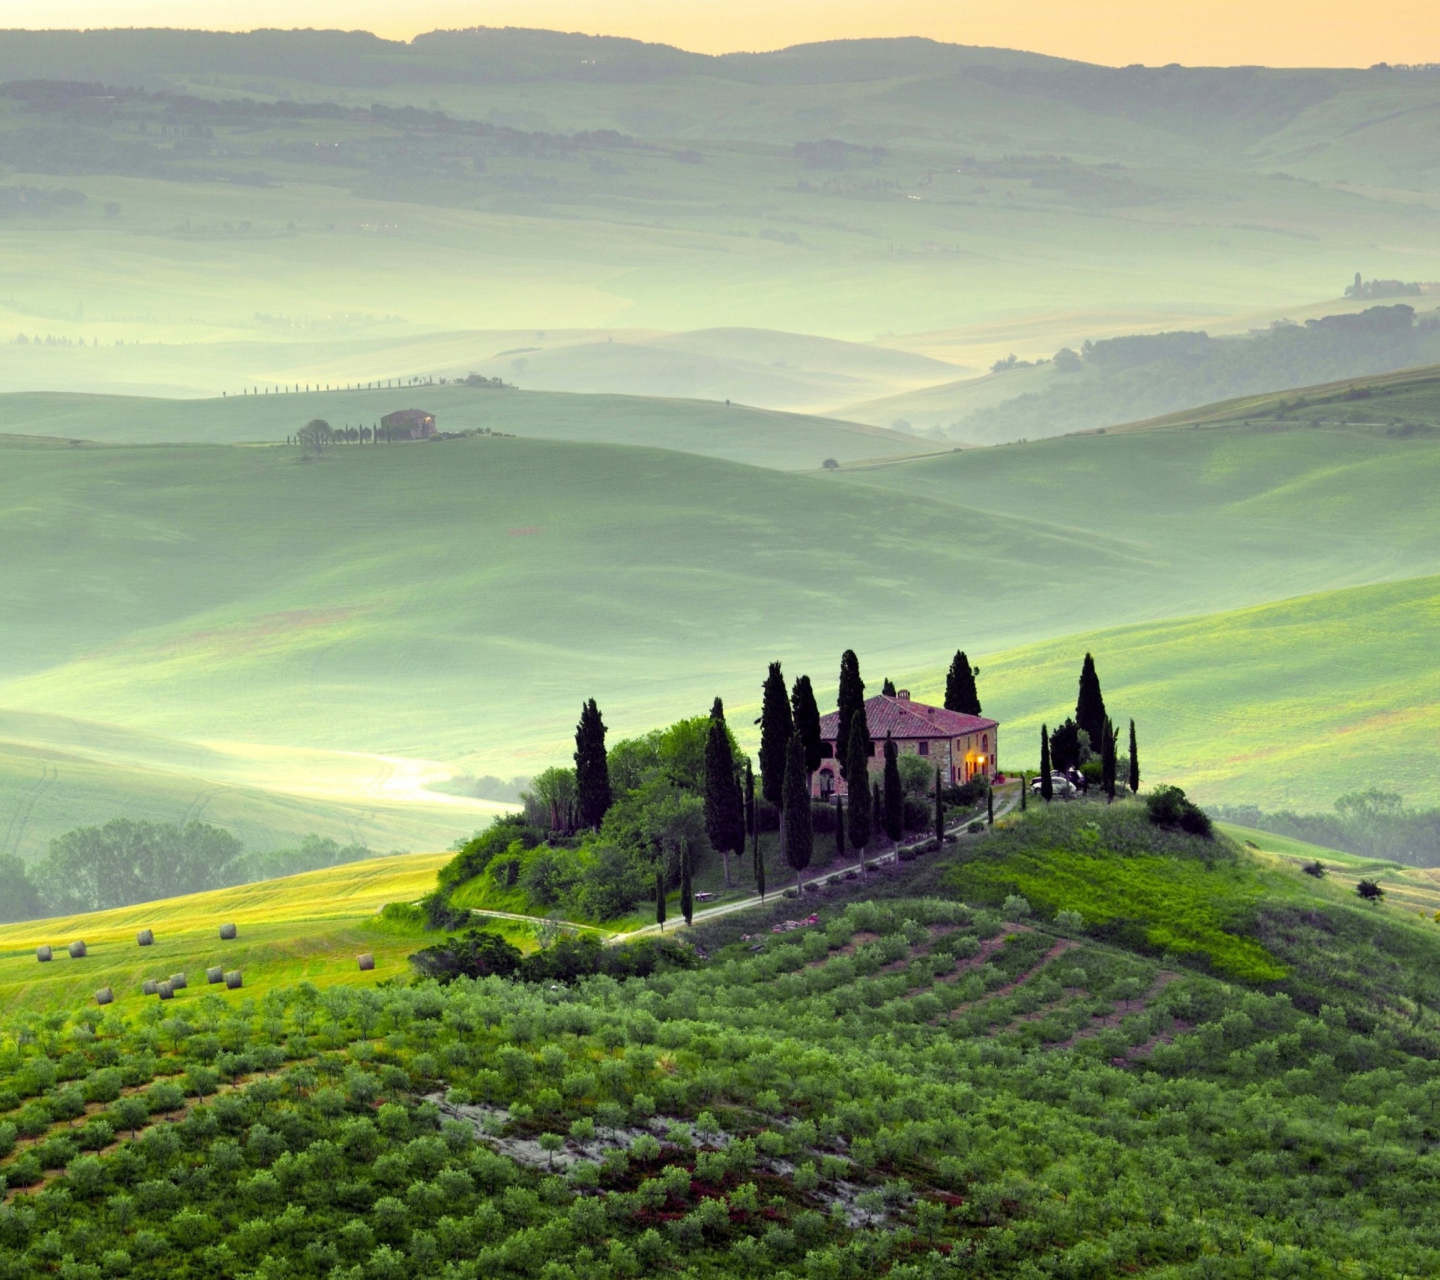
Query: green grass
{"type": "Point", "coordinates": [303, 928]}
{"type": "Point", "coordinates": [786, 441]}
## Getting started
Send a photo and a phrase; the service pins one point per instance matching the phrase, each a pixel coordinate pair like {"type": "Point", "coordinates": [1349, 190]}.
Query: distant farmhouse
{"type": "Point", "coordinates": [962, 747]}
{"type": "Point", "coordinates": [415, 423]}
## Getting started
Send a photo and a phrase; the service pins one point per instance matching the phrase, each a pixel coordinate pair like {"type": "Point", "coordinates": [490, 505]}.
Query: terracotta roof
{"type": "Point", "coordinates": [906, 719]}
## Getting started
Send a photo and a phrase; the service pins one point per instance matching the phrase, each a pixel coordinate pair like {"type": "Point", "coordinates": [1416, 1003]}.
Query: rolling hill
{"type": "Point", "coordinates": [765, 438]}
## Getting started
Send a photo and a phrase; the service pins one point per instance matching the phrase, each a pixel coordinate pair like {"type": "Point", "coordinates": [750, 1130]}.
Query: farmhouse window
{"type": "Point", "coordinates": [924, 748]}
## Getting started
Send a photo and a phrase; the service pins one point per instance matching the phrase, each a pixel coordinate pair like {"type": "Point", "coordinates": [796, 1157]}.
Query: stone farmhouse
{"type": "Point", "coordinates": [960, 746]}
{"type": "Point", "coordinates": [415, 423]}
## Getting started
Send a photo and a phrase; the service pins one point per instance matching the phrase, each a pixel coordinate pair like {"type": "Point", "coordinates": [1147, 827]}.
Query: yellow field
{"type": "Point", "coordinates": [308, 927]}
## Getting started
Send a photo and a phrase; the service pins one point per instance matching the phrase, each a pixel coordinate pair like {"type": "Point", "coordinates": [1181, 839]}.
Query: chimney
{"type": "Point", "coordinates": [903, 695]}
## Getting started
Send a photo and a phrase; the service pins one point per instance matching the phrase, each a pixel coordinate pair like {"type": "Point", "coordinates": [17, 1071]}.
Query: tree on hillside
{"type": "Point", "coordinates": [848, 700]}
{"type": "Point", "coordinates": [1090, 704]}
{"type": "Point", "coordinates": [799, 835]}
{"type": "Point", "coordinates": [877, 805]}
{"type": "Point", "coordinates": [1134, 778]}
{"type": "Point", "coordinates": [592, 769]}
{"type": "Point", "coordinates": [750, 828]}
{"type": "Point", "coordinates": [839, 827]}
{"type": "Point", "coordinates": [806, 716]}
{"type": "Point", "coordinates": [687, 887]}
{"type": "Point", "coordinates": [1047, 788]}
{"type": "Point", "coordinates": [1107, 760]}
{"type": "Point", "coordinates": [894, 792]}
{"type": "Point", "coordinates": [777, 724]}
{"type": "Point", "coordinates": [888, 687]}
{"type": "Point", "coordinates": [19, 899]}
{"type": "Point", "coordinates": [960, 692]}
{"type": "Point", "coordinates": [724, 806]}
{"type": "Point", "coordinates": [857, 758]}
{"type": "Point", "coordinates": [316, 434]}
{"type": "Point", "coordinates": [1070, 746]}
{"type": "Point", "coordinates": [660, 900]}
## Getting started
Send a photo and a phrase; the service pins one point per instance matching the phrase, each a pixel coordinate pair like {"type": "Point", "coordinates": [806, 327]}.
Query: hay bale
{"type": "Point", "coordinates": [233, 980]}
{"type": "Point", "coordinates": [165, 991]}
{"type": "Point", "coordinates": [150, 986]}
{"type": "Point", "coordinates": [366, 961]}
{"type": "Point", "coordinates": [145, 938]}
{"type": "Point", "coordinates": [228, 932]}
{"type": "Point", "coordinates": [214, 974]}
{"type": "Point", "coordinates": [177, 980]}
{"type": "Point", "coordinates": [43, 954]}
{"type": "Point", "coordinates": [77, 950]}
{"type": "Point", "coordinates": [105, 996]}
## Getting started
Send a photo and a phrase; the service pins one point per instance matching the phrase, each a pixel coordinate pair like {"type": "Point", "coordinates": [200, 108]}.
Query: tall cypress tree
{"type": "Point", "coordinates": [839, 827]}
{"type": "Point", "coordinates": [877, 806]}
{"type": "Point", "coordinates": [806, 717]}
{"type": "Point", "coordinates": [1107, 760]}
{"type": "Point", "coordinates": [724, 809]}
{"type": "Point", "coordinates": [1090, 705]}
{"type": "Point", "coordinates": [849, 700]}
{"type": "Point", "coordinates": [592, 770]}
{"type": "Point", "coordinates": [687, 889]}
{"type": "Point", "coordinates": [660, 900]}
{"type": "Point", "coordinates": [750, 800]}
{"type": "Point", "coordinates": [1047, 788]}
{"type": "Point", "coordinates": [939, 812]}
{"type": "Point", "coordinates": [799, 835]}
{"type": "Point", "coordinates": [960, 691]}
{"type": "Point", "coordinates": [894, 793]}
{"type": "Point", "coordinates": [776, 727]}
{"type": "Point", "coordinates": [888, 687]}
{"type": "Point", "coordinates": [857, 756]}
{"type": "Point", "coordinates": [1134, 762]}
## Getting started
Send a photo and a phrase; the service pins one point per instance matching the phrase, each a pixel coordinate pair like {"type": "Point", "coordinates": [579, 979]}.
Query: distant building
{"type": "Point", "coordinates": [961, 747]}
{"type": "Point", "coordinates": [415, 423]}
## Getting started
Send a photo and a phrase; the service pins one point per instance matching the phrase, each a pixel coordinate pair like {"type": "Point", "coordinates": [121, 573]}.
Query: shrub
{"type": "Point", "coordinates": [1169, 807]}
{"type": "Point", "coordinates": [1370, 890]}
{"type": "Point", "coordinates": [1316, 869]}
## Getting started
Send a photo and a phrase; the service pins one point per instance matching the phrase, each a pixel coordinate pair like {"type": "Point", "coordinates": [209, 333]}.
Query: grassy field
{"type": "Point", "coordinates": [304, 928]}
{"type": "Point", "coordinates": [765, 438]}
{"type": "Point", "coordinates": [389, 600]}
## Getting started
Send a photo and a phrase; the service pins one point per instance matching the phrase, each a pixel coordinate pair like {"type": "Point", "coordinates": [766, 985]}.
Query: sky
{"type": "Point", "coordinates": [1113, 32]}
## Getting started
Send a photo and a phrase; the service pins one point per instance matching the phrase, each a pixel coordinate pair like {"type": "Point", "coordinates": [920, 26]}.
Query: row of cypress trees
{"type": "Point", "coordinates": [1090, 715]}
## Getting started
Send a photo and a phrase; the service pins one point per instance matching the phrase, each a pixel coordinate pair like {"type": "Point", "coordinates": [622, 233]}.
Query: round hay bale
{"type": "Point", "coordinates": [366, 961]}
{"type": "Point", "coordinates": [177, 982]}
{"type": "Point", "coordinates": [234, 980]}
{"type": "Point", "coordinates": [149, 986]}
{"type": "Point", "coordinates": [43, 954]}
{"type": "Point", "coordinates": [145, 938]}
{"type": "Point", "coordinates": [77, 950]}
{"type": "Point", "coordinates": [215, 974]}
{"type": "Point", "coordinates": [105, 996]}
{"type": "Point", "coordinates": [228, 932]}
{"type": "Point", "coordinates": [164, 990]}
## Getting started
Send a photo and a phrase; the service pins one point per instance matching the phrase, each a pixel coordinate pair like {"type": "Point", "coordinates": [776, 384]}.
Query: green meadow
{"type": "Point", "coordinates": [306, 928]}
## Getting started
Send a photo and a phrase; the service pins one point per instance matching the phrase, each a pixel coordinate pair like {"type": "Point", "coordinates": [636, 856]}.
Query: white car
{"type": "Point", "coordinates": [1060, 785]}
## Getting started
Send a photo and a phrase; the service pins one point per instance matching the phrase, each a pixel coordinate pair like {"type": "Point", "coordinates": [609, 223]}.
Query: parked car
{"type": "Point", "coordinates": [1059, 784]}
{"type": "Point", "coordinates": [1077, 780]}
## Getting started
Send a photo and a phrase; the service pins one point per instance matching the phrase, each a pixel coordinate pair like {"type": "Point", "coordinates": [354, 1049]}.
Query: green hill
{"type": "Point", "coordinates": [1221, 1067]}
{"type": "Point", "coordinates": [788, 441]}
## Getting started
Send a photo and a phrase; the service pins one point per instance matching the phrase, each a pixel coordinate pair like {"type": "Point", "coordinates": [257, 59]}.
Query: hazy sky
{"type": "Point", "coordinates": [1273, 32]}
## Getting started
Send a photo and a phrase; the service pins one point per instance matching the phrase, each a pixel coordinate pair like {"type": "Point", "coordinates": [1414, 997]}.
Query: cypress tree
{"type": "Point", "coordinates": [750, 801]}
{"type": "Point", "coordinates": [799, 835]}
{"type": "Point", "coordinates": [960, 691]}
{"type": "Point", "coordinates": [1024, 790]}
{"type": "Point", "coordinates": [894, 793]}
{"type": "Point", "coordinates": [1107, 760]}
{"type": "Point", "coordinates": [660, 900]}
{"type": "Point", "coordinates": [806, 716]}
{"type": "Point", "coordinates": [724, 809]}
{"type": "Point", "coordinates": [939, 812]}
{"type": "Point", "coordinates": [877, 806]}
{"type": "Point", "coordinates": [776, 727]}
{"type": "Point", "coordinates": [592, 770]}
{"type": "Point", "coordinates": [989, 804]}
{"type": "Point", "coordinates": [1090, 705]}
{"type": "Point", "coordinates": [849, 700]}
{"type": "Point", "coordinates": [1047, 788]}
{"type": "Point", "coordinates": [687, 891]}
{"type": "Point", "coordinates": [759, 870]}
{"type": "Point", "coordinates": [858, 758]}
{"type": "Point", "coordinates": [839, 827]}
{"type": "Point", "coordinates": [888, 687]}
{"type": "Point", "coordinates": [1134, 762]}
